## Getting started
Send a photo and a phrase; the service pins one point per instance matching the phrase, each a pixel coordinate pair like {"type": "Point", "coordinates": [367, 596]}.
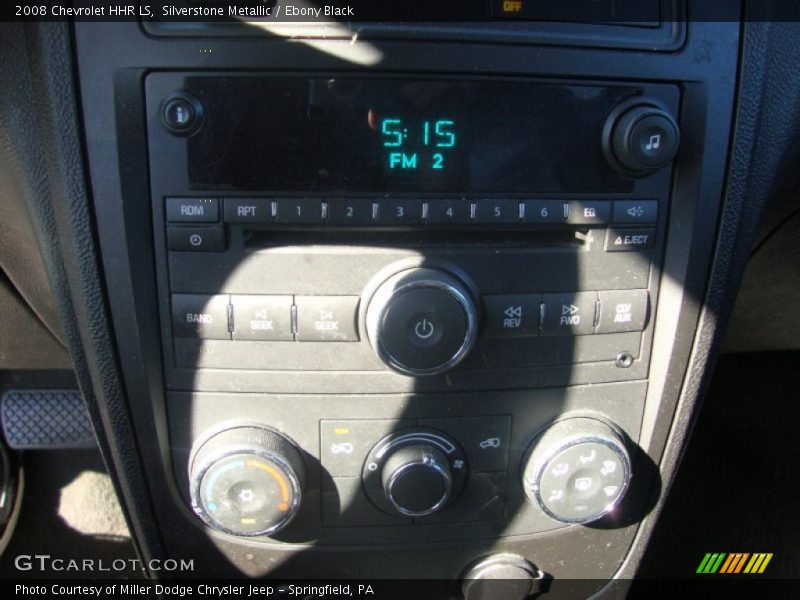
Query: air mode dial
{"type": "Point", "coordinates": [247, 481]}
{"type": "Point", "coordinates": [578, 470]}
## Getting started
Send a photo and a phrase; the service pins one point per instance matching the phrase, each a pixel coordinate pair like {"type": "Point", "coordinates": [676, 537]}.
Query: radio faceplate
{"type": "Point", "coordinates": [274, 227]}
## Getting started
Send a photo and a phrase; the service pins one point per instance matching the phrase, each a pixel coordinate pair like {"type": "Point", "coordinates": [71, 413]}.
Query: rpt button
{"type": "Point", "coordinates": [200, 316]}
{"type": "Point", "coordinates": [327, 318]}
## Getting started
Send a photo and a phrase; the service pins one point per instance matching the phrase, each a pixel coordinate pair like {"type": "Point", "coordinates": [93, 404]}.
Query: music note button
{"type": "Point", "coordinates": [653, 140]}
{"type": "Point", "coordinates": [642, 137]}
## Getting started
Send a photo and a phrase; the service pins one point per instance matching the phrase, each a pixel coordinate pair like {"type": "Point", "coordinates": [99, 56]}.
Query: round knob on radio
{"type": "Point", "coordinates": [417, 480]}
{"type": "Point", "coordinates": [247, 481]}
{"type": "Point", "coordinates": [422, 321]}
{"type": "Point", "coordinates": [577, 470]}
{"type": "Point", "coordinates": [640, 138]}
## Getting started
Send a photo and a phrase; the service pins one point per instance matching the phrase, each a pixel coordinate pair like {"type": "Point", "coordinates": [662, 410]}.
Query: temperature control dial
{"type": "Point", "coordinates": [422, 321]}
{"type": "Point", "coordinates": [577, 470]}
{"type": "Point", "coordinates": [247, 481]}
{"type": "Point", "coordinates": [414, 473]}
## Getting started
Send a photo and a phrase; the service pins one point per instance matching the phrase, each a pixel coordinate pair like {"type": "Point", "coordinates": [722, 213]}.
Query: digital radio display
{"type": "Point", "coordinates": [371, 135]}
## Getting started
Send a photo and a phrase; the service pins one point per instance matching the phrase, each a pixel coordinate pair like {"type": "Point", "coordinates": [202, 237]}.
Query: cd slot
{"type": "Point", "coordinates": [259, 239]}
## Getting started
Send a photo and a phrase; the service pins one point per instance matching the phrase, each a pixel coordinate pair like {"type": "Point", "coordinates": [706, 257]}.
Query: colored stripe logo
{"type": "Point", "coordinates": [736, 562]}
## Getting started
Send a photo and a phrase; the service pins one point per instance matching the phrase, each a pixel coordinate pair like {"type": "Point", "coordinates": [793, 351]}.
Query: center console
{"type": "Point", "coordinates": [425, 236]}
{"type": "Point", "coordinates": [392, 320]}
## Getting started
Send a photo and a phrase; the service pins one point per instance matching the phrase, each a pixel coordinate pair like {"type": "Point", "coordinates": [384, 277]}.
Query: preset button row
{"type": "Point", "coordinates": [405, 211]}
{"type": "Point", "coordinates": [577, 313]}
{"type": "Point", "coordinates": [268, 318]}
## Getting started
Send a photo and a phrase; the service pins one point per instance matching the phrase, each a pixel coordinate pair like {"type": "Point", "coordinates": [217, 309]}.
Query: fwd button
{"type": "Point", "coordinates": [569, 314]}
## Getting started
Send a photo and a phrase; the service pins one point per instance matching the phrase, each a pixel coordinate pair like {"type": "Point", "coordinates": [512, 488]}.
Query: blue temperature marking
{"type": "Point", "coordinates": [212, 507]}
{"type": "Point", "coordinates": [215, 475]}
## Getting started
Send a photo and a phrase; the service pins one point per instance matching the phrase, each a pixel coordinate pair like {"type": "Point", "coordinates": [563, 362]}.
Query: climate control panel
{"type": "Point", "coordinates": [249, 481]}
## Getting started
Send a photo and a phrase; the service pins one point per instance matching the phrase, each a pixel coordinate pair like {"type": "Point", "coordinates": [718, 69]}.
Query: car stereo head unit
{"type": "Point", "coordinates": [306, 209]}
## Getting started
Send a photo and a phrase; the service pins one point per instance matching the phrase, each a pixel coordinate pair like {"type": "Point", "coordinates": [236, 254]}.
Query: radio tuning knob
{"type": "Point", "coordinates": [577, 470]}
{"type": "Point", "coordinates": [640, 138]}
{"type": "Point", "coordinates": [422, 321]}
{"type": "Point", "coordinates": [247, 481]}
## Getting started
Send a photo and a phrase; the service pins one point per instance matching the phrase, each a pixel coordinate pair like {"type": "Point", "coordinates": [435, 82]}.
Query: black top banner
{"type": "Point", "coordinates": [633, 13]}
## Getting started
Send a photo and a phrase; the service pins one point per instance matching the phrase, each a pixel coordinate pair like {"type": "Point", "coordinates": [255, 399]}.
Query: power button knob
{"type": "Point", "coordinates": [422, 321]}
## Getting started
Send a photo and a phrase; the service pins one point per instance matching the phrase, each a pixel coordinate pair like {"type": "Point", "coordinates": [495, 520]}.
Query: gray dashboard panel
{"type": "Point", "coordinates": [112, 87]}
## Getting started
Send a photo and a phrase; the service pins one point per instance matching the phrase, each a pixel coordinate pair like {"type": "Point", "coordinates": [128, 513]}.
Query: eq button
{"type": "Point", "coordinates": [589, 212]}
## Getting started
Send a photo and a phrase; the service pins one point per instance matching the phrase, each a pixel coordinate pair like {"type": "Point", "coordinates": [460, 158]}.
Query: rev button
{"type": "Point", "coordinates": [515, 315]}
